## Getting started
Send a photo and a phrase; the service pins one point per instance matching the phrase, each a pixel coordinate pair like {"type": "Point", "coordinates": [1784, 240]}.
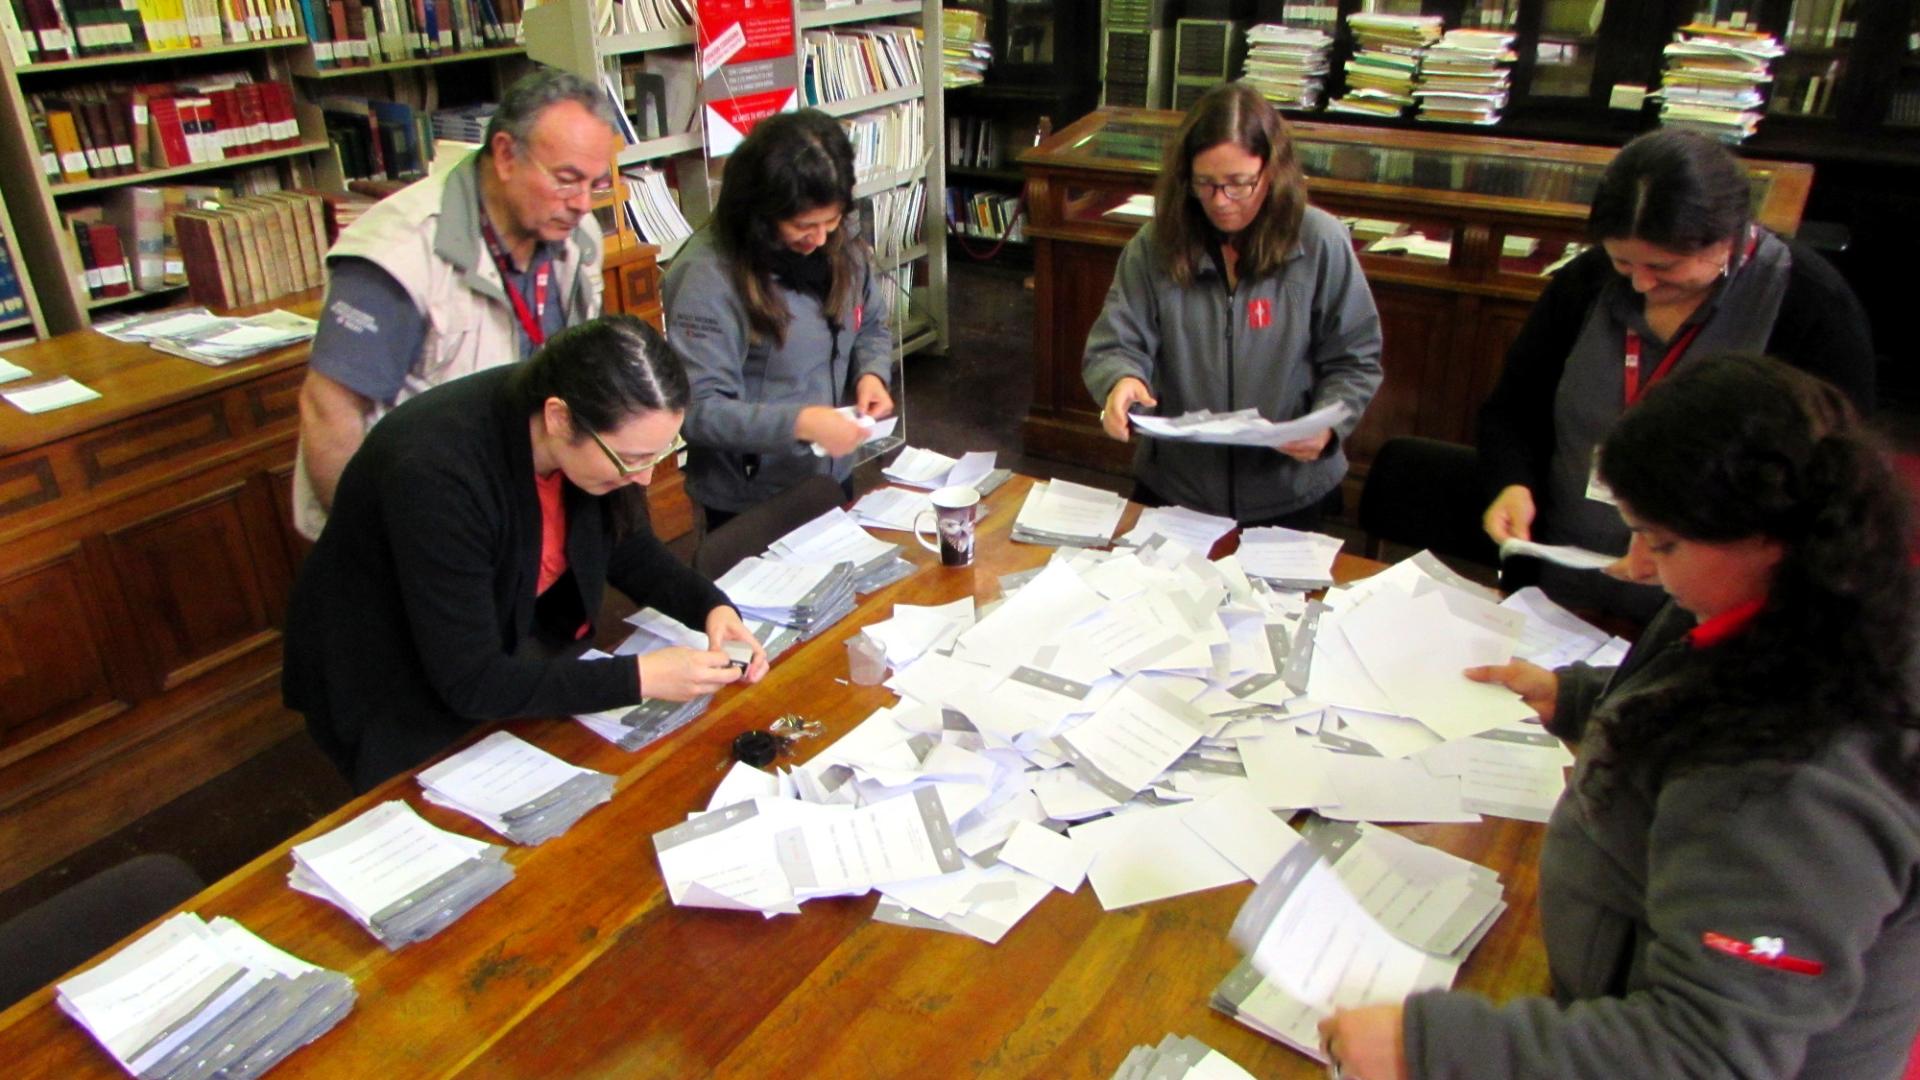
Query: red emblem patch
{"type": "Point", "coordinates": [1770, 952]}
{"type": "Point", "coordinates": [1259, 314]}
{"type": "Point", "coordinates": [859, 316]}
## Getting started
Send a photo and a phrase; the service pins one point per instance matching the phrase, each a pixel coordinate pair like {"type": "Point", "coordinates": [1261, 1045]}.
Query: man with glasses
{"type": "Point", "coordinates": [464, 270]}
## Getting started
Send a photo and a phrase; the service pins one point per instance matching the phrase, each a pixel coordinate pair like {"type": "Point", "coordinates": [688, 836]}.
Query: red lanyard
{"type": "Point", "coordinates": [1632, 384]}
{"type": "Point", "coordinates": [530, 321]}
{"type": "Point", "coordinates": [1634, 387]}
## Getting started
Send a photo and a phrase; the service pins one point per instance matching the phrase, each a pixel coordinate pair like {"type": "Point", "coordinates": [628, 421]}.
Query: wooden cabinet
{"type": "Point", "coordinates": [1493, 217]}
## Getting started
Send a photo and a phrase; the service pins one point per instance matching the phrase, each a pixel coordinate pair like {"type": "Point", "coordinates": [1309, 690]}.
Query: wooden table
{"type": "Point", "coordinates": [583, 967]}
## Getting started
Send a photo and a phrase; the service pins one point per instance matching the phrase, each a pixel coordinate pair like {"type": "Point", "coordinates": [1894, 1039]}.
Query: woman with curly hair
{"type": "Point", "coordinates": [1238, 295]}
{"type": "Point", "coordinates": [780, 317]}
{"type": "Point", "coordinates": [1731, 884]}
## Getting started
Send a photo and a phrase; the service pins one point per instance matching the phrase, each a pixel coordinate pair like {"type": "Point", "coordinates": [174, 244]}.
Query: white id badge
{"type": "Point", "coordinates": [1597, 489]}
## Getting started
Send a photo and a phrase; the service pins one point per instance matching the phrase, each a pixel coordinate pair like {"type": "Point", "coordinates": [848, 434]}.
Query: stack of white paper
{"type": "Point", "coordinates": [398, 876]}
{"type": "Point", "coordinates": [1191, 528]}
{"type": "Point", "coordinates": [1179, 1058]}
{"type": "Point", "coordinates": [929, 469]}
{"type": "Point", "coordinates": [836, 537]}
{"type": "Point", "coordinates": [515, 788]}
{"type": "Point", "coordinates": [1355, 917]}
{"type": "Point", "coordinates": [189, 998]}
{"type": "Point", "coordinates": [1289, 558]}
{"type": "Point", "coordinates": [198, 334]}
{"type": "Point", "coordinates": [891, 508]}
{"type": "Point", "coordinates": [1058, 512]}
{"type": "Point", "coordinates": [1245, 427]}
{"type": "Point", "coordinates": [807, 597]}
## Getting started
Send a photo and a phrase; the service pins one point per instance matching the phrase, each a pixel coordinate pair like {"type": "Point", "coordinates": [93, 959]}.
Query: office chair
{"type": "Point", "coordinates": [1424, 493]}
{"type": "Point", "coordinates": [751, 531]}
{"type": "Point", "coordinates": [61, 932]}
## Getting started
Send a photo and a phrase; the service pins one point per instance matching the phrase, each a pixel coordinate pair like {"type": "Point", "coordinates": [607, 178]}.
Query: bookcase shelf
{"type": "Point", "coordinates": [876, 184]}
{"type": "Point", "coordinates": [305, 68]}
{"type": "Point", "coordinates": [652, 41]}
{"type": "Point", "coordinates": [156, 56]}
{"type": "Point", "coordinates": [655, 149]}
{"type": "Point", "coordinates": [8, 326]}
{"type": "Point", "coordinates": [817, 18]}
{"type": "Point", "coordinates": [849, 106]}
{"type": "Point", "coordinates": [148, 176]}
{"type": "Point", "coordinates": [135, 295]}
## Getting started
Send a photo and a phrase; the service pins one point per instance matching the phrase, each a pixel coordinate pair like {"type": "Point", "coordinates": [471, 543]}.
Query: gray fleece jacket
{"type": "Point", "coordinates": [747, 392]}
{"type": "Point", "coordinates": [1286, 344]}
{"type": "Point", "coordinates": [1758, 920]}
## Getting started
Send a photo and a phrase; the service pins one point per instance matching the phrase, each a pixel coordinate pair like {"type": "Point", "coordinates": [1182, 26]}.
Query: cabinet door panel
{"type": "Point", "coordinates": [53, 662]}
{"type": "Point", "coordinates": [1414, 327]}
{"type": "Point", "coordinates": [1081, 276]}
{"type": "Point", "coordinates": [192, 584]}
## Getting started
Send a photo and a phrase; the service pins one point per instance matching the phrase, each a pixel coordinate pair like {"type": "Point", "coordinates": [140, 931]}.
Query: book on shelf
{"type": "Point", "coordinates": [641, 16]}
{"type": "Point", "coordinates": [844, 64]}
{"type": "Point", "coordinates": [894, 219]}
{"type": "Point", "coordinates": [13, 300]}
{"type": "Point", "coordinates": [253, 249]}
{"type": "Point", "coordinates": [985, 214]}
{"type": "Point", "coordinates": [106, 272]}
{"type": "Point", "coordinates": [43, 31]}
{"type": "Point", "coordinates": [653, 210]}
{"type": "Point", "coordinates": [104, 130]}
{"type": "Point", "coordinates": [378, 139]}
{"type": "Point", "coordinates": [356, 33]}
{"type": "Point", "coordinates": [887, 141]}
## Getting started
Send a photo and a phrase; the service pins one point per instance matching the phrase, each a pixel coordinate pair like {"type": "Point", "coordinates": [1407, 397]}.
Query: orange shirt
{"type": "Point", "coordinates": [553, 530]}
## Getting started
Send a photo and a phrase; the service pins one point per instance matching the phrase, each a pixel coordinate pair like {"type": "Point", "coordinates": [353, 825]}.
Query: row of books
{"type": "Point", "coordinates": [1514, 177]}
{"type": "Point", "coordinates": [354, 33]}
{"type": "Point", "coordinates": [1715, 80]}
{"type": "Point", "coordinates": [254, 250]}
{"type": "Point", "coordinates": [116, 130]}
{"type": "Point", "coordinates": [965, 52]}
{"type": "Point", "coordinates": [976, 142]}
{"type": "Point", "coordinates": [13, 298]}
{"type": "Point", "coordinates": [888, 141]}
{"type": "Point", "coordinates": [640, 16]}
{"type": "Point", "coordinates": [41, 31]}
{"type": "Point", "coordinates": [855, 63]}
{"type": "Point", "coordinates": [654, 211]}
{"type": "Point", "coordinates": [985, 214]}
{"type": "Point", "coordinates": [897, 217]}
{"type": "Point", "coordinates": [378, 139]}
{"type": "Point", "coordinates": [1386, 58]}
{"type": "Point", "coordinates": [1821, 24]}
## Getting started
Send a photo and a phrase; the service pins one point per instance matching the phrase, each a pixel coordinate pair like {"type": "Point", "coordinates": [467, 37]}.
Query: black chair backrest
{"type": "Point", "coordinates": [752, 530]}
{"type": "Point", "coordinates": [1425, 493]}
{"type": "Point", "coordinates": [58, 934]}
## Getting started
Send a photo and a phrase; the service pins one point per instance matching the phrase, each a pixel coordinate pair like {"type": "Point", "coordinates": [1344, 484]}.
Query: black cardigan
{"type": "Point", "coordinates": [1821, 329]}
{"type": "Point", "coordinates": [408, 620]}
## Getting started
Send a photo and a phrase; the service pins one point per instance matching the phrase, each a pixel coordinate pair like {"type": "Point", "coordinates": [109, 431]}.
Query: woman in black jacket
{"type": "Point", "coordinates": [1678, 270]}
{"type": "Point", "coordinates": [468, 548]}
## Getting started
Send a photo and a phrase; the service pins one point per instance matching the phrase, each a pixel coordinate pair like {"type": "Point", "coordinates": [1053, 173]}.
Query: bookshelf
{"type": "Point", "coordinates": [59, 300]}
{"type": "Point", "coordinates": [561, 33]}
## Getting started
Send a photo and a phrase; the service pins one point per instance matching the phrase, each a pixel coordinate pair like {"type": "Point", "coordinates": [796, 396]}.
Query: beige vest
{"type": "Point", "coordinates": [427, 236]}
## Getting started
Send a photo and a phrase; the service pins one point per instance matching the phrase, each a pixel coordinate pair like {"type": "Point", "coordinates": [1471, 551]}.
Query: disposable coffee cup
{"type": "Point", "coordinates": [952, 514]}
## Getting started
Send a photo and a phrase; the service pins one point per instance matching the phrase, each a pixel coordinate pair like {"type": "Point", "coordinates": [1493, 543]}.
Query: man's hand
{"type": "Point", "coordinates": [870, 397]}
{"type": "Point", "coordinates": [1125, 394]}
{"type": "Point", "coordinates": [1510, 515]}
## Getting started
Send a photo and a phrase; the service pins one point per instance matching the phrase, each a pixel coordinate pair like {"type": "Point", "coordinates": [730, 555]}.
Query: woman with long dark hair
{"type": "Point", "coordinates": [1731, 884]}
{"type": "Point", "coordinates": [1678, 269]}
{"type": "Point", "coordinates": [469, 548]}
{"type": "Point", "coordinates": [1237, 295]}
{"type": "Point", "coordinates": [781, 318]}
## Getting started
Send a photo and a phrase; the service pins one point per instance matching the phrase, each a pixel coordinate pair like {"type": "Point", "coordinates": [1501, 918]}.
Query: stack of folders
{"type": "Point", "coordinates": [631, 727]}
{"type": "Point", "coordinates": [191, 998]}
{"type": "Point", "coordinates": [1386, 57]}
{"type": "Point", "coordinates": [806, 596]}
{"type": "Point", "coordinates": [1463, 79]}
{"type": "Point", "coordinates": [1289, 558]}
{"type": "Point", "coordinates": [1179, 1057]}
{"type": "Point", "coordinates": [836, 537]}
{"type": "Point", "coordinates": [398, 876]}
{"type": "Point", "coordinates": [1287, 64]}
{"type": "Point", "coordinates": [1355, 916]}
{"type": "Point", "coordinates": [515, 788]}
{"type": "Point", "coordinates": [1716, 80]}
{"type": "Point", "coordinates": [1068, 515]}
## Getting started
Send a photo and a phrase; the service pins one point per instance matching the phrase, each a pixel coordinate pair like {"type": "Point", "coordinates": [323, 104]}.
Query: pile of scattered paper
{"type": "Point", "coordinates": [398, 876]}
{"type": "Point", "coordinates": [836, 537]}
{"type": "Point", "coordinates": [200, 335]}
{"type": "Point", "coordinates": [1715, 80]}
{"type": "Point", "coordinates": [515, 788]}
{"type": "Point", "coordinates": [1289, 558]}
{"type": "Point", "coordinates": [1062, 513]}
{"type": "Point", "coordinates": [929, 469]}
{"type": "Point", "coordinates": [1179, 1058]}
{"type": "Point", "coordinates": [191, 998]}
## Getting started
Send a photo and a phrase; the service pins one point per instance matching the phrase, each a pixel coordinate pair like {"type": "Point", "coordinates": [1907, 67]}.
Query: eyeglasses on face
{"type": "Point", "coordinates": [568, 189]}
{"type": "Point", "coordinates": [626, 469]}
{"type": "Point", "coordinates": [1236, 190]}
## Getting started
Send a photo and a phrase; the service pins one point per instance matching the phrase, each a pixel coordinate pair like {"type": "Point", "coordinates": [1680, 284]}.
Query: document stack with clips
{"type": "Point", "coordinates": [1354, 916]}
{"type": "Point", "coordinates": [515, 788]}
{"type": "Point", "coordinates": [645, 723]}
{"type": "Point", "coordinates": [836, 537]}
{"type": "Point", "coordinates": [1179, 1057]}
{"type": "Point", "coordinates": [398, 876]}
{"type": "Point", "coordinates": [1068, 515]}
{"type": "Point", "coordinates": [191, 999]}
{"type": "Point", "coordinates": [808, 597]}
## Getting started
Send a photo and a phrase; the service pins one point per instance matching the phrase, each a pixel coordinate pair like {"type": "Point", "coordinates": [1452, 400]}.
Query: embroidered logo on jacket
{"type": "Point", "coordinates": [1768, 952]}
{"type": "Point", "coordinates": [1259, 314]}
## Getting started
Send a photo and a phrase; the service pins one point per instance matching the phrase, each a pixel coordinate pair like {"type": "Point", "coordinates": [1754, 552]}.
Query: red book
{"type": "Point", "coordinates": [111, 258]}
{"type": "Point", "coordinates": [223, 140]}
{"type": "Point", "coordinates": [289, 121]}
{"type": "Point", "coordinates": [209, 134]}
{"type": "Point", "coordinates": [251, 100]}
{"type": "Point", "coordinates": [163, 113]}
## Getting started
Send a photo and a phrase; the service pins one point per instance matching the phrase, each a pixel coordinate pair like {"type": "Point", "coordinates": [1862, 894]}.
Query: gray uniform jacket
{"type": "Point", "coordinates": [1287, 344]}
{"type": "Point", "coordinates": [1753, 920]}
{"type": "Point", "coordinates": [747, 393]}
